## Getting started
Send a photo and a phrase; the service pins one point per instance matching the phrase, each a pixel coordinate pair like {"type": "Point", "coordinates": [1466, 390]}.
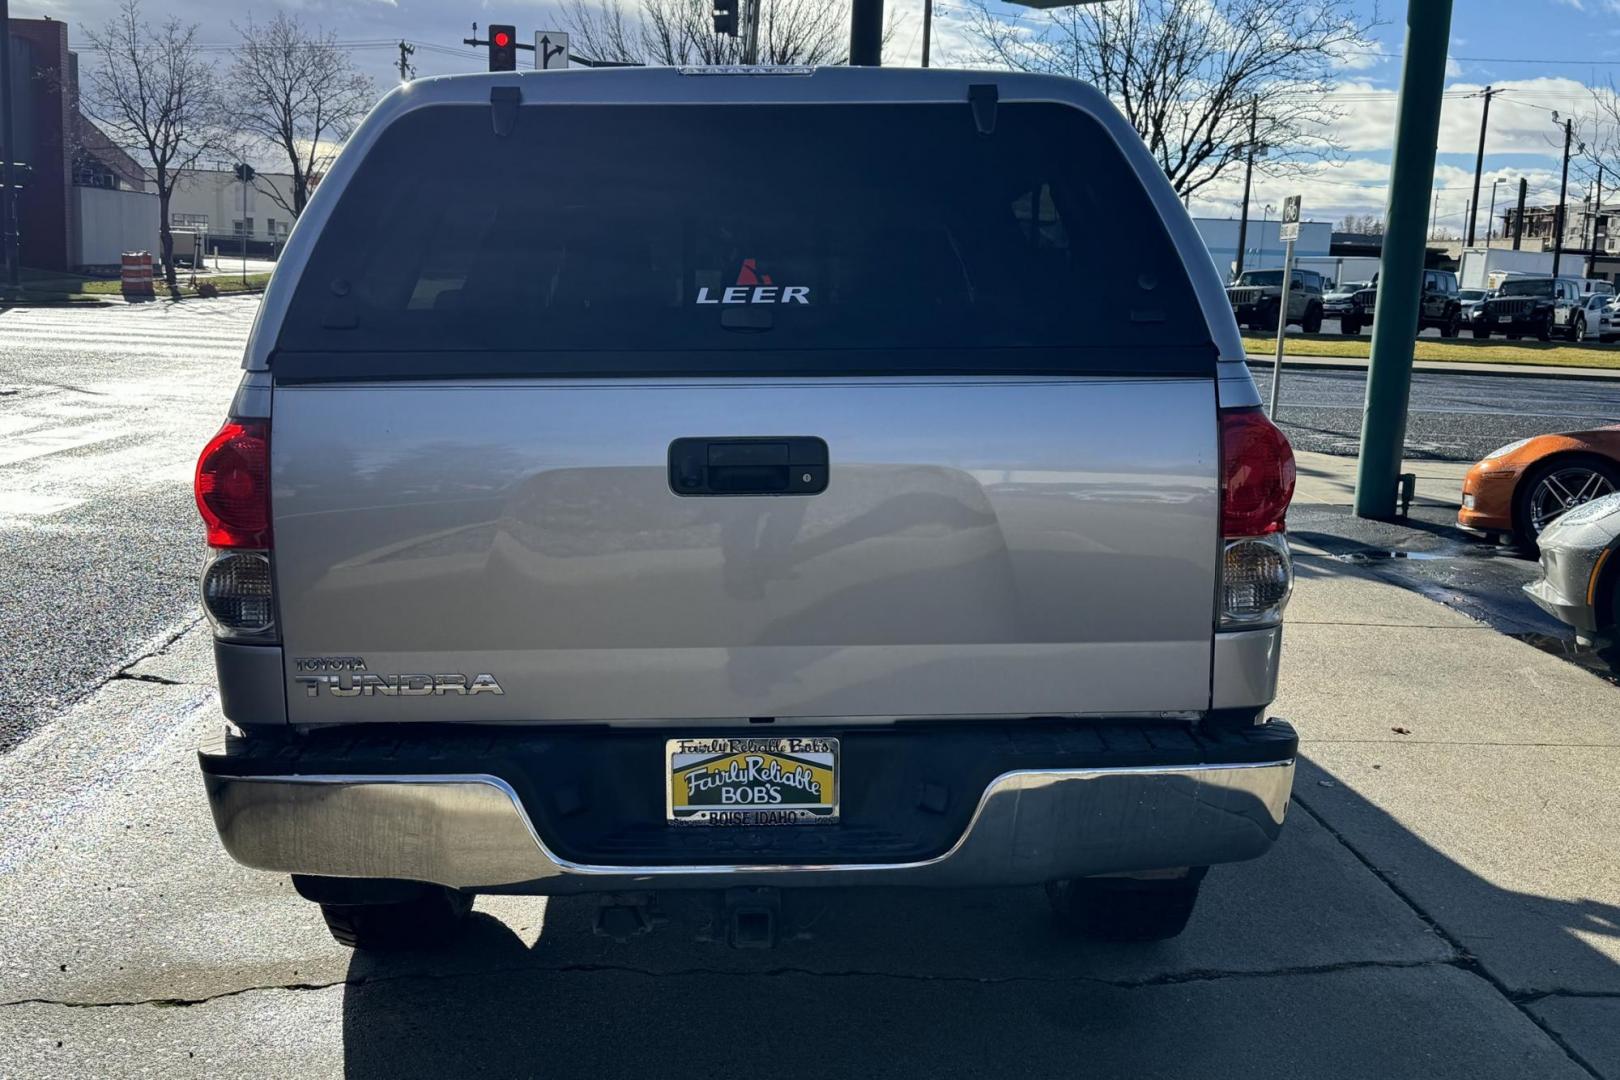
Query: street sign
{"type": "Point", "coordinates": [550, 50]}
{"type": "Point", "coordinates": [1289, 233]}
{"type": "Point", "coordinates": [1290, 218]}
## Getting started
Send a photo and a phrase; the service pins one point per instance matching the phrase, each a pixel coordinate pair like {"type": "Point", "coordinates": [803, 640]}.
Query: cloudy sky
{"type": "Point", "coordinates": [1543, 53]}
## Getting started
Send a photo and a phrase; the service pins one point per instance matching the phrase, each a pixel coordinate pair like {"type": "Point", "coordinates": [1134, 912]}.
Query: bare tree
{"type": "Point", "coordinates": [682, 32]}
{"type": "Point", "coordinates": [153, 93]}
{"type": "Point", "coordinates": [1186, 73]}
{"type": "Point", "coordinates": [296, 91]}
{"type": "Point", "coordinates": [1365, 224]}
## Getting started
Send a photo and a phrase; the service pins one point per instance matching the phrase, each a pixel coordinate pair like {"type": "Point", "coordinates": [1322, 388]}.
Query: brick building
{"type": "Point", "coordinates": [81, 196]}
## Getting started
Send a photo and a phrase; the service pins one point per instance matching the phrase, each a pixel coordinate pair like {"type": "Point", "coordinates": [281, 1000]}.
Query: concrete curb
{"type": "Point", "coordinates": [1445, 367]}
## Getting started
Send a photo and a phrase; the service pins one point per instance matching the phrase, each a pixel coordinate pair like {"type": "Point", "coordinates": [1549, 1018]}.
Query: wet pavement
{"type": "Point", "coordinates": [102, 413]}
{"type": "Point", "coordinates": [1429, 555]}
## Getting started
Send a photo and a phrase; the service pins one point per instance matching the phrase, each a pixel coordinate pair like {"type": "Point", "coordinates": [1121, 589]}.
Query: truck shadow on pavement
{"type": "Point", "coordinates": [1371, 950]}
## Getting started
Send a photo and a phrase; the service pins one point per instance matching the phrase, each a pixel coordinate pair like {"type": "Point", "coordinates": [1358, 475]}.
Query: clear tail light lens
{"type": "Point", "coordinates": [1257, 577]}
{"type": "Point", "coordinates": [237, 594]}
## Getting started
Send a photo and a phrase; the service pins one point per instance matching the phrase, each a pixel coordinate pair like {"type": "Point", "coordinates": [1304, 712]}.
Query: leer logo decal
{"type": "Point", "coordinates": [756, 287]}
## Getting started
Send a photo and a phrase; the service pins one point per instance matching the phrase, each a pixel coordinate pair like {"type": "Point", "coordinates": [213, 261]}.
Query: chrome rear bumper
{"type": "Point", "coordinates": [471, 831]}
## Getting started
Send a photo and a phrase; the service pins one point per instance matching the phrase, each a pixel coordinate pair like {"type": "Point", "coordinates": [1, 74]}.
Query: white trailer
{"type": "Point", "coordinates": [1339, 269]}
{"type": "Point", "coordinates": [1484, 268]}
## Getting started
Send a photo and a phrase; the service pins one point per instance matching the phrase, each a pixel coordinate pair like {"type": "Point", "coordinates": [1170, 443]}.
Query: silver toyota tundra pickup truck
{"type": "Point", "coordinates": [744, 481]}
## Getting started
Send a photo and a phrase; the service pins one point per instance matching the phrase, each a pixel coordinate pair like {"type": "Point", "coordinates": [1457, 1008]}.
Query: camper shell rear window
{"type": "Point", "coordinates": [743, 239]}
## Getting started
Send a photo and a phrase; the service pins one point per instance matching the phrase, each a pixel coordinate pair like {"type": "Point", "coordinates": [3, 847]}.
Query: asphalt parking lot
{"type": "Point", "coordinates": [1444, 902]}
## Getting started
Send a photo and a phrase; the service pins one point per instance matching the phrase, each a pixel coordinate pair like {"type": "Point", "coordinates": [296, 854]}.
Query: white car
{"type": "Point", "coordinates": [1595, 320]}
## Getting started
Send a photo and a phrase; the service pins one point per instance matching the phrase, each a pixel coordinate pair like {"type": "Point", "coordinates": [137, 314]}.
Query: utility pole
{"type": "Point", "coordinates": [751, 31]}
{"type": "Point", "coordinates": [8, 189]}
{"type": "Point", "coordinates": [1248, 174]}
{"type": "Point", "coordinates": [866, 33]}
{"type": "Point", "coordinates": [1479, 163]}
{"type": "Point", "coordinates": [928, 27]}
{"type": "Point", "coordinates": [406, 71]}
{"type": "Point", "coordinates": [1518, 217]}
{"type": "Point", "coordinates": [1597, 216]}
{"type": "Point", "coordinates": [1400, 271]}
{"type": "Point", "coordinates": [1563, 191]}
{"type": "Point", "coordinates": [1490, 219]}
{"type": "Point", "coordinates": [1434, 215]}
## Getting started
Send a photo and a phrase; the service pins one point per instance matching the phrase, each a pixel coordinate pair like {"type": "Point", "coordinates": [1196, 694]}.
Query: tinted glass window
{"type": "Point", "coordinates": [1527, 287]}
{"type": "Point", "coordinates": [1260, 277]}
{"type": "Point", "coordinates": [748, 230]}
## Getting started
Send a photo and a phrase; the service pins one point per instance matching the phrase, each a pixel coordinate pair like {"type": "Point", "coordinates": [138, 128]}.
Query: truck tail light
{"type": "Point", "coordinates": [1257, 484]}
{"type": "Point", "coordinates": [233, 485]}
{"type": "Point", "coordinates": [233, 496]}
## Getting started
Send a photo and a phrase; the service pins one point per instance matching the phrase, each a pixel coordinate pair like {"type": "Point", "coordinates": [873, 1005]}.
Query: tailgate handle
{"type": "Point", "coordinates": [770, 465]}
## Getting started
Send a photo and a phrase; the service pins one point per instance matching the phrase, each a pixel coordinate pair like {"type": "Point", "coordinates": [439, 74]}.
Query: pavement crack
{"type": "Point", "coordinates": [1465, 959]}
{"type": "Point", "coordinates": [786, 971]}
{"type": "Point", "coordinates": [1532, 997]}
{"type": "Point", "coordinates": [161, 680]}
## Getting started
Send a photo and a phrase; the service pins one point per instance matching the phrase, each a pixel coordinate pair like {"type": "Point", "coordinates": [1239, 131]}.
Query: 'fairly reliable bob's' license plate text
{"type": "Point", "coordinates": [787, 781]}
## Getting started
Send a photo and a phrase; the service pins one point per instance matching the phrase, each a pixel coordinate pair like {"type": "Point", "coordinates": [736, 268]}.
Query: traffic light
{"type": "Point", "coordinates": [503, 48]}
{"type": "Point", "coordinates": [725, 17]}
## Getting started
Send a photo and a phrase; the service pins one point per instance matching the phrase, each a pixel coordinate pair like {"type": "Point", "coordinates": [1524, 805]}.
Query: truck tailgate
{"type": "Point", "coordinates": [984, 547]}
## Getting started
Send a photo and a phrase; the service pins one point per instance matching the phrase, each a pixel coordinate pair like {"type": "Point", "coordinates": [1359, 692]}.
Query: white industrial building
{"type": "Point", "coordinates": [211, 201]}
{"type": "Point", "coordinates": [1263, 245]}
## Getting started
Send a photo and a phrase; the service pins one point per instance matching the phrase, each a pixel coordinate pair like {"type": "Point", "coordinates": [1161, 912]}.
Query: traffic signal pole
{"type": "Point", "coordinates": [866, 33]}
{"type": "Point", "coordinates": [1400, 273]}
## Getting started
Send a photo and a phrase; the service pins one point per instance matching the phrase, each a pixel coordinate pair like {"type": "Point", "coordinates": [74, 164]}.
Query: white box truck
{"type": "Point", "coordinates": [1484, 268]}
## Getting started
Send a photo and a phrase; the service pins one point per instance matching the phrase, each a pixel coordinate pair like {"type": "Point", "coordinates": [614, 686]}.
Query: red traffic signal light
{"type": "Point", "coordinates": [503, 48]}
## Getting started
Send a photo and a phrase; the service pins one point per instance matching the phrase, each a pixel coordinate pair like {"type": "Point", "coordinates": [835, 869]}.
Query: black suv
{"type": "Point", "coordinates": [1439, 307]}
{"type": "Point", "coordinates": [1527, 306]}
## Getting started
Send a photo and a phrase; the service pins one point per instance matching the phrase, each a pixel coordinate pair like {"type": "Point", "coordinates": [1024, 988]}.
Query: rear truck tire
{"type": "Point", "coordinates": [1350, 325]}
{"type": "Point", "coordinates": [1577, 329]}
{"type": "Point", "coordinates": [1544, 331]}
{"type": "Point", "coordinates": [1313, 320]}
{"type": "Point", "coordinates": [1553, 486]}
{"type": "Point", "coordinates": [387, 916]}
{"type": "Point", "coordinates": [1126, 909]}
{"type": "Point", "coordinates": [1450, 327]}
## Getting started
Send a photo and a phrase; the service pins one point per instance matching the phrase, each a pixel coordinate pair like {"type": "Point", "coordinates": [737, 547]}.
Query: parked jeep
{"type": "Point", "coordinates": [1440, 305]}
{"type": "Point", "coordinates": [1256, 297]}
{"type": "Point", "coordinates": [1536, 307]}
{"type": "Point", "coordinates": [1338, 298]}
{"type": "Point", "coordinates": [576, 530]}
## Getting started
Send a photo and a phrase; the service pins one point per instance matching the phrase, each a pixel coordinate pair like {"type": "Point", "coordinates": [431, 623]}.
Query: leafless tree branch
{"type": "Point", "coordinates": [681, 32]}
{"type": "Point", "coordinates": [155, 95]}
{"type": "Point", "coordinates": [1186, 73]}
{"type": "Point", "coordinates": [293, 90]}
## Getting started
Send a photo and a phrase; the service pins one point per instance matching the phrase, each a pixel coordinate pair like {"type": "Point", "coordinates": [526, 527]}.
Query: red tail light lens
{"type": "Point", "coordinates": [1257, 474]}
{"type": "Point", "coordinates": [233, 485]}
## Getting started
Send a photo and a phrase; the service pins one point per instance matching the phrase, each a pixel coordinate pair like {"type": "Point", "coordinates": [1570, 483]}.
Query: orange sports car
{"type": "Point", "coordinates": [1520, 488]}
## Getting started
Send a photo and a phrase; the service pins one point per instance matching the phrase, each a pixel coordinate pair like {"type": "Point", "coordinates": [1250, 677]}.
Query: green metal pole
{"type": "Point", "coordinates": [1400, 273]}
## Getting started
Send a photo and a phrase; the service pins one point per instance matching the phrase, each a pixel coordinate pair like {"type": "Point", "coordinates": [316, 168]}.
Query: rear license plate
{"type": "Point", "coordinates": [724, 781]}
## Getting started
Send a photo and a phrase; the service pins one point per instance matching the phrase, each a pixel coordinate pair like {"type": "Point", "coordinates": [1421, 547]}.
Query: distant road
{"type": "Point", "coordinates": [1452, 417]}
